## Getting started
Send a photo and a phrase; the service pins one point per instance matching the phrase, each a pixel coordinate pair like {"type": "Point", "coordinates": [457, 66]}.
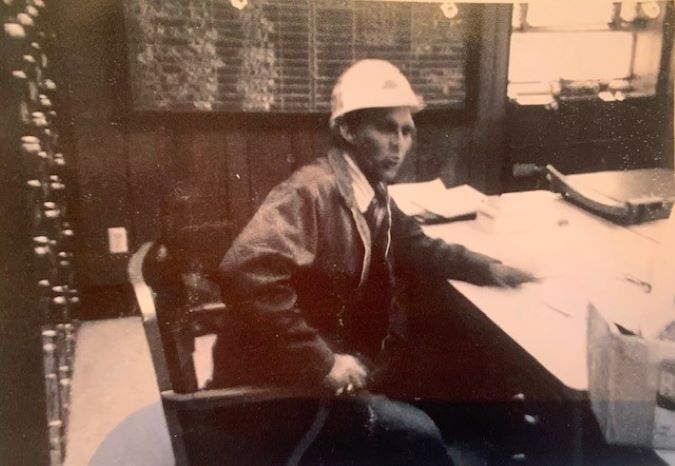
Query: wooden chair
{"type": "Point", "coordinates": [171, 324]}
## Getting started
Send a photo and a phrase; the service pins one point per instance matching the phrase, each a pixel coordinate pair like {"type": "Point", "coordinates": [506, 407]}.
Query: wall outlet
{"type": "Point", "coordinates": [117, 240]}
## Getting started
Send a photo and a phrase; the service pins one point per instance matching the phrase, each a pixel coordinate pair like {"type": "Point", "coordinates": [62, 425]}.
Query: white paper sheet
{"type": "Point", "coordinates": [410, 196]}
{"type": "Point", "coordinates": [418, 199]}
{"type": "Point", "coordinates": [453, 202]}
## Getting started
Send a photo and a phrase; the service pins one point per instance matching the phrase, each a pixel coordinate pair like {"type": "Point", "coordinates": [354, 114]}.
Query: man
{"type": "Point", "coordinates": [312, 278]}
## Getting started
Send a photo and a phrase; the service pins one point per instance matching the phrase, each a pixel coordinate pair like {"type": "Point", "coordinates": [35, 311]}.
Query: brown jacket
{"type": "Point", "coordinates": [296, 267]}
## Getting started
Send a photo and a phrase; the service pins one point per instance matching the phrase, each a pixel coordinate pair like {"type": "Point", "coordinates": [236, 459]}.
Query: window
{"type": "Point", "coordinates": [584, 49]}
{"type": "Point", "coordinates": [285, 55]}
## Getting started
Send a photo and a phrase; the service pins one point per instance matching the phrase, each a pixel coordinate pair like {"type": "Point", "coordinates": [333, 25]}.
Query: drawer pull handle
{"type": "Point", "coordinates": [519, 457]}
{"type": "Point", "coordinates": [530, 419]}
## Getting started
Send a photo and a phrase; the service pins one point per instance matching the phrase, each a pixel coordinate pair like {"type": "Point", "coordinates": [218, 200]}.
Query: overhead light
{"type": "Point", "coordinates": [628, 11]}
{"type": "Point", "coordinates": [449, 9]}
{"type": "Point", "coordinates": [239, 4]}
{"type": "Point", "coordinates": [650, 9]}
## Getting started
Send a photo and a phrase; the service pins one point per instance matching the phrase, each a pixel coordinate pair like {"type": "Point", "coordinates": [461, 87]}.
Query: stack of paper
{"type": "Point", "coordinates": [431, 202]}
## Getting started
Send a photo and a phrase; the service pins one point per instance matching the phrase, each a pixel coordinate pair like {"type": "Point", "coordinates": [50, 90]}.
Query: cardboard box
{"type": "Point", "coordinates": [631, 385]}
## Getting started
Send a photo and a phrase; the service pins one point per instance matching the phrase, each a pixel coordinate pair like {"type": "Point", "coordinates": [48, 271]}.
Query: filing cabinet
{"type": "Point", "coordinates": [31, 136]}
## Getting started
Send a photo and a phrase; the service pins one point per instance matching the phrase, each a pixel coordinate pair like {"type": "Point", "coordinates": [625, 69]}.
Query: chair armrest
{"type": "Point", "coordinates": [224, 397]}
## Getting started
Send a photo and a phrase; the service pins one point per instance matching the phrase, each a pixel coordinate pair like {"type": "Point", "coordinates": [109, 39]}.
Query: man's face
{"type": "Point", "coordinates": [381, 142]}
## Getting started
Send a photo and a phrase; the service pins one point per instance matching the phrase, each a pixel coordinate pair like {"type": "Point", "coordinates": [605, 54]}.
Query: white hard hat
{"type": "Point", "coordinates": [372, 84]}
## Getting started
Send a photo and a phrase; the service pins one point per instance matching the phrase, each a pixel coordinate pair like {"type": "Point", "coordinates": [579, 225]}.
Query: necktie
{"type": "Point", "coordinates": [377, 210]}
{"type": "Point", "coordinates": [371, 320]}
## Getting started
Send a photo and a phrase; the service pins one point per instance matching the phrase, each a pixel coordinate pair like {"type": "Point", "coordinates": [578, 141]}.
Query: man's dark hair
{"type": "Point", "coordinates": [352, 121]}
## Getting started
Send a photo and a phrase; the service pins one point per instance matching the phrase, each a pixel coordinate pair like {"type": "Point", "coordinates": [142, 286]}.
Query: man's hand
{"type": "Point", "coordinates": [509, 277]}
{"type": "Point", "coordinates": [347, 374]}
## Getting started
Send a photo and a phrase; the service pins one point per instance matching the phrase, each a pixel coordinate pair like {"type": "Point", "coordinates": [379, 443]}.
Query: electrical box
{"type": "Point", "coordinates": [117, 240]}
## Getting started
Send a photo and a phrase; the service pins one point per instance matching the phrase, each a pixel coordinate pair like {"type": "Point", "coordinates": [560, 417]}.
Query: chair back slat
{"type": "Point", "coordinates": [146, 304]}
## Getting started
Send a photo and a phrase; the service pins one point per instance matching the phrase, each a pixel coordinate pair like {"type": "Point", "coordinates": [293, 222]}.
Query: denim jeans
{"type": "Point", "coordinates": [368, 429]}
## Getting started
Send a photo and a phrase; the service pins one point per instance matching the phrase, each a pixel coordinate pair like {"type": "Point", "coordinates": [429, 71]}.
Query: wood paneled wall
{"type": "Point", "coordinates": [236, 159]}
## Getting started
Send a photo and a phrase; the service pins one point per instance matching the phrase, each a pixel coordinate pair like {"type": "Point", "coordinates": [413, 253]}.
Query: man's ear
{"type": "Point", "coordinates": [346, 133]}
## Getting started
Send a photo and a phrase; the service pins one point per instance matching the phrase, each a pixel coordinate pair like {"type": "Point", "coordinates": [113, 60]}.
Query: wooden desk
{"type": "Point", "coordinates": [580, 258]}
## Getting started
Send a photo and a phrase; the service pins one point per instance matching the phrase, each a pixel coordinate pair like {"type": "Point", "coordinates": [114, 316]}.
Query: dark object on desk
{"type": "Point", "coordinates": [430, 218]}
{"type": "Point", "coordinates": [624, 197]}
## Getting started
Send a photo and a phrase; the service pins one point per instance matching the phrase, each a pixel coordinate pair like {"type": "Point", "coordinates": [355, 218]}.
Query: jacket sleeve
{"type": "Point", "coordinates": [256, 277]}
{"type": "Point", "coordinates": [414, 250]}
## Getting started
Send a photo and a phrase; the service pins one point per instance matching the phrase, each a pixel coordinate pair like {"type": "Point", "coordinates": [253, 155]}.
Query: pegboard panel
{"type": "Point", "coordinates": [284, 55]}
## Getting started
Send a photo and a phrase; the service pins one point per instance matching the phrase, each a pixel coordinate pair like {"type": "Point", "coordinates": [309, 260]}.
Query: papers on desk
{"type": "Point", "coordinates": [511, 212]}
{"type": "Point", "coordinates": [641, 296]}
{"type": "Point", "coordinates": [625, 302]}
{"type": "Point", "coordinates": [619, 301]}
{"type": "Point", "coordinates": [431, 202]}
{"type": "Point", "coordinates": [558, 295]}
{"type": "Point", "coordinates": [409, 196]}
{"type": "Point", "coordinates": [633, 305]}
{"type": "Point", "coordinates": [549, 297]}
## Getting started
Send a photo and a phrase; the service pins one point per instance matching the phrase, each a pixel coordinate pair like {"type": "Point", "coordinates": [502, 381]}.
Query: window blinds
{"type": "Point", "coordinates": [284, 55]}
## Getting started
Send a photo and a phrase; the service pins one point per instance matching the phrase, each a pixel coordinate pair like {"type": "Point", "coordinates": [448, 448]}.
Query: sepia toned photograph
{"type": "Point", "coordinates": [337, 233]}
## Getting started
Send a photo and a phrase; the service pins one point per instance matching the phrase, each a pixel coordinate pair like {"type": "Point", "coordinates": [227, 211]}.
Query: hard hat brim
{"type": "Point", "coordinates": [334, 118]}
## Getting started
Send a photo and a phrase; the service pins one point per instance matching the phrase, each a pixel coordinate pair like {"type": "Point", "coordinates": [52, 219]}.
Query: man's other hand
{"type": "Point", "coordinates": [347, 374]}
{"type": "Point", "coordinates": [509, 277]}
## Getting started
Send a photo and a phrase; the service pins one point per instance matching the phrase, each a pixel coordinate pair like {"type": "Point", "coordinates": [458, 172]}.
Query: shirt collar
{"type": "Point", "coordinates": [363, 191]}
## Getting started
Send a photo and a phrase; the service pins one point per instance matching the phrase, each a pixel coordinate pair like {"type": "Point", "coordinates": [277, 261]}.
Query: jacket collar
{"type": "Point", "coordinates": [338, 163]}
{"type": "Point", "coordinates": [363, 191]}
